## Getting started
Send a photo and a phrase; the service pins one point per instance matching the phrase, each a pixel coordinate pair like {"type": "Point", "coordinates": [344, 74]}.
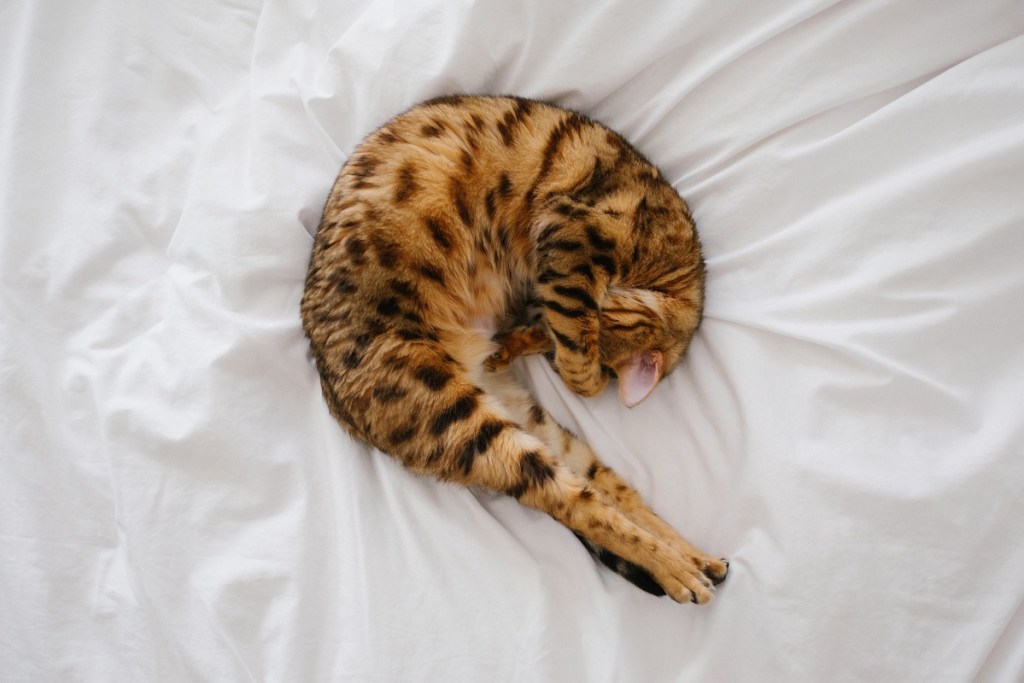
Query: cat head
{"type": "Point", "coordinates": [645, 333]}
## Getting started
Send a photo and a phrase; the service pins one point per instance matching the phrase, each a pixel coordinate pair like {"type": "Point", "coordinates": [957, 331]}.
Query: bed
{"type": "Point", "coordinates": [177, 504]}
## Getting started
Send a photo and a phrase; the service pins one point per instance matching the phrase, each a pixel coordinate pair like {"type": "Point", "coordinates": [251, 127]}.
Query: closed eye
{"type": "Point", "coordinates": [629, 327]}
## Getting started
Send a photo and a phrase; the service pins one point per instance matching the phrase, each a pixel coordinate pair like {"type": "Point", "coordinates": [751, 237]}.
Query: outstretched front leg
{"type": "Point", "coordinates": [616, 493]}
{"type": "Point", "coordinates": [637, 544]}
{"type": "Point", "coordinates": [506, 456]}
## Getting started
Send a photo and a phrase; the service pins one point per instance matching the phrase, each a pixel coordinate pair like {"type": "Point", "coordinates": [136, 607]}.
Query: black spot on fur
{"type": "Point", "coordinates": [602, 182]}
{"type": "Point", "coordinates": [432, 273]}
{"type": "Point", "coordinates": [363, 166]}
{"type": "Point", "coordinates": [511, 119]}
{"type": "Point", "coordinates": [403, 288]}
{"type": "Point", "coordinates": [573, 313]}
{"type": "Point", "coordinates": [459, 199]}
{"type": "Point", "coordinates": [389, 394]}
{"type": "Point", "coordinates": [506, 133]}
{"type": "Point", "coordinates": [356, 249]}
{"type": "Point", "coordinates": [410, 334]}
{"type": "Point", "coordinates": [375, 326]}
{"type": "Point", "coordinates": [503, 237]}
{"type": "Point", "coordinates": [487, 433]}
{"type": "Point", "coordinates": [592, 470]}
{"type": "Point", "coordinates": [569, 125]}
{"type": "Point", "coordinates": [563, 245]}
{"type": "Point", "coordinates": [387, 251]}
{"type": "Point", "coordinates": [467, 456]}
{"type": "Point", "coordinates": [406, 185]}
{"type": "Point", "coordinates": [549, 275]}
{"type": "Point", "coordinates": [345, 286]}
{"type": "Point", "coordinates": [402, 434]}
{"type": "Point", "coordinates": [570, 211]}
{"type": "Point", "coordinates": [577, 293]}
{"type": "Point", "coordinates": [388, 307]}
{"type": "Point", "coordinates": [547, 233]}
{"type": "Point", "coordinates": [643, 217]}
{"type": "Point", "coordinates": [456, 412]}
{"type": "Point", "coordinates": [439, 233]}
{"type": "Point", "coordinates": [490, 202]}
{"type": "Point", "coordinates": [479, 444]}
{"type": "Point", "coordinates": [605, 263]}
{"type": "Point", "coordinates": [429, 130]}
{"type": "Point", "coordinates": [585, 270]}
{"type": "Point", "coordinates": [505, 186]}
{"type": "Point", "coordinates": [433, 378]}
{"type": "Point", "coordinates": [534, 470]}
{"type": "Point", "coordinates": [351, 359]}
{"type": "Point", "coordinates": [597, 240]}
{"type": "Point", "coordinates": [537, 414]}
{"type": "Point", "coordinates": [446, 99]}
{"type": "Point", "coordinates": [566, 342]}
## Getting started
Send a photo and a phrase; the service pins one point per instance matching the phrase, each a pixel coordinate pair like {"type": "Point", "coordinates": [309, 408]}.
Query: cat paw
{"type": "Point", "coordinates": [498, 360]}
{"type": "Point", "coordinates": [693, 579]}
{"type": "Point", "coordinates": [519, 341]}
{"type": "Point", "coordinates": [716, 570]}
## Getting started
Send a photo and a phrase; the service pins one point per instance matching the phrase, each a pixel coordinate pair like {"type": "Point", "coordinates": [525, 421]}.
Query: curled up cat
{"type": "Point", "coordinates": [445, 229]}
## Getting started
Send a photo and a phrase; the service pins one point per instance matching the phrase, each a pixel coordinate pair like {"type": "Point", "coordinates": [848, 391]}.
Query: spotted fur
{"type": "Point", "coordinates": [441, 228]}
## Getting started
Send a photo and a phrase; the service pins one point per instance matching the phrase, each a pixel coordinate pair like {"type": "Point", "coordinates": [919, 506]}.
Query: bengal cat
{"type": "Point", "coordinates": [440, 230]}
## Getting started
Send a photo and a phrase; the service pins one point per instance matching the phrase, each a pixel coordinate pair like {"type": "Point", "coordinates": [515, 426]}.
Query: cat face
{"type": "Point", "coordinates": [644, 335]}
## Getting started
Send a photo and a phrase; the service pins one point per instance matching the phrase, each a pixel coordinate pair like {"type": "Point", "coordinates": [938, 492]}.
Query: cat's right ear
{"type": "Point", "coordinates": [639, 376]}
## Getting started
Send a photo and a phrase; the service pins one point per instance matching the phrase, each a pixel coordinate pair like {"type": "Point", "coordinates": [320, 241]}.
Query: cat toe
{"type": "Point", "coordinates": [717, 571]}
{"type": "Point", "coordinates": [497, 361]}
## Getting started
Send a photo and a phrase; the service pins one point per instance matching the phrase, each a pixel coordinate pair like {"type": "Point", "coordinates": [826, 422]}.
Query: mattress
{"type": "Point", "coordinates": [176, 502]}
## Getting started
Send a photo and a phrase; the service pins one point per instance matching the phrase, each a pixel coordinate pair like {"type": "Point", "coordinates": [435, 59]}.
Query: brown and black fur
{"type": "Point", "coordinates": [440, 229]}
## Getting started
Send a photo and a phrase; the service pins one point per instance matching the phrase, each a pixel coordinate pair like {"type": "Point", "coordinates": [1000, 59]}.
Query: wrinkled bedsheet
{"type": "Point", "coordinates": [176, 503]}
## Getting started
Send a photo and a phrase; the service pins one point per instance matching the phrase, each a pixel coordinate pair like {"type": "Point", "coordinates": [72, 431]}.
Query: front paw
{"type": "Point", "coordinates": [716, 570]}
{"type": "Point", "coordinates": [498, 360]}
{"type": "Point", "coordinates": [519, 341]}
{"type": "Point", "coordinates": [585, 381]}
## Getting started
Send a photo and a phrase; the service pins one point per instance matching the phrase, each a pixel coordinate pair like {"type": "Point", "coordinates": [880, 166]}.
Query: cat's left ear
{"type": "Point", "coordinates": [639, 377]}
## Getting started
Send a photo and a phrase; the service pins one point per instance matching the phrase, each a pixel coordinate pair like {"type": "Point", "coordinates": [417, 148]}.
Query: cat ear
{"type": "Point", "coordinates": [639, 377]}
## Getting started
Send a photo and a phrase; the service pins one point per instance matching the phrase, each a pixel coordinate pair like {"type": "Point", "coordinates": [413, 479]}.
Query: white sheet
{"type": "Point", "coordinates": [176, 503]}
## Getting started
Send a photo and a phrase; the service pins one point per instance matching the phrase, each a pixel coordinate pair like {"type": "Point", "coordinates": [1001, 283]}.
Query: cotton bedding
{"type": "Point", "coordinates": [177, 504]}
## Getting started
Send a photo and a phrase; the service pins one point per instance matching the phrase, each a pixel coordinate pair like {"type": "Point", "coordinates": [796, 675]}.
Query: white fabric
{"type": "Point", "coordinates": [176, 503]}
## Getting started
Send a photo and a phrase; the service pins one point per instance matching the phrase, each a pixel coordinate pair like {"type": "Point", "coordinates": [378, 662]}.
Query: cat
{"type": "Point", "coordinates": [442, 229]}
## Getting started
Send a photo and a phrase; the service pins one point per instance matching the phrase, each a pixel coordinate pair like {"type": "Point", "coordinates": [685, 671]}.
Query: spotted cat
{"type": "Point", "coordinates": [442, 228]}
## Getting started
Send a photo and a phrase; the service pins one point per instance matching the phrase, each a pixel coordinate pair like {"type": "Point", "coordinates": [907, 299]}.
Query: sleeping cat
{"type": "Point", "coordinates": [441, 229]}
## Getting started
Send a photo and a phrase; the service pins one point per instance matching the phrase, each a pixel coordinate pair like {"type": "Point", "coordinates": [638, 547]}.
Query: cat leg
{"type": "Point", "coordinates": [614, 491]}
{"type": "Point", "coordinates": [576, 256]}
{"type": "Point", "coordinates": [480, 443]}
{"type": "Point", "coordinates": [574, 454]}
